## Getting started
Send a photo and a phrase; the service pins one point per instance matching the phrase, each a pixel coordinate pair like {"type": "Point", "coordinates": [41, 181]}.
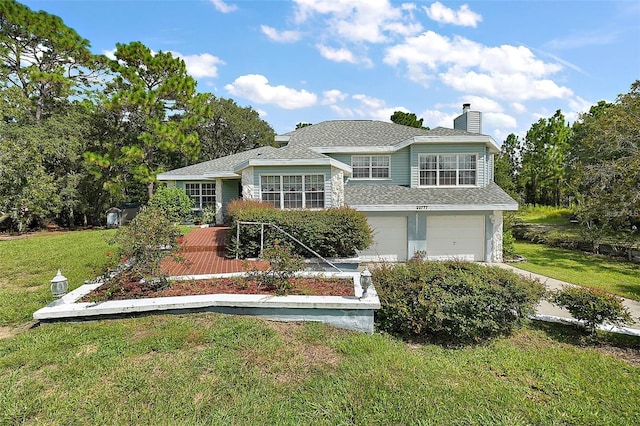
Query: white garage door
{"type": "Point", "coordinates": [455, 237]}
{"type": "Point", "coordinates": [390, 239]}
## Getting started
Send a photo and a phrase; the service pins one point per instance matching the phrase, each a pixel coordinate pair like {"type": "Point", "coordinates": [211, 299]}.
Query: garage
{"type": "Point", "coordinates": [390, 239]}
{"type": "Point", "coordinates": [456, 237]}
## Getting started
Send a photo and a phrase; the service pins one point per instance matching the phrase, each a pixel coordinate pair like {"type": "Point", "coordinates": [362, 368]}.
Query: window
{"type": "Point", "coordinates": [293, 192]}
{"type": "Point", "coordinates": [202, 194]}
{"type": "Point", "coordinates": [447, 169]}
{"type": "Point", "coordinates": [370, 166]}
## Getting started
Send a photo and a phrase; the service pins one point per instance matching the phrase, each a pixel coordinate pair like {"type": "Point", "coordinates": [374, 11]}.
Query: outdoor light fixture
{"type": "Point", "coordinates": [59, 285]}
{"type": "Point", "coordinates": [365, 282]}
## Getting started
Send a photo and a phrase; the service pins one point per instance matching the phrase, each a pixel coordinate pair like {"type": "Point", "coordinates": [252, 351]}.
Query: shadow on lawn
{"type": "Point", "coordinates": [575, 336]}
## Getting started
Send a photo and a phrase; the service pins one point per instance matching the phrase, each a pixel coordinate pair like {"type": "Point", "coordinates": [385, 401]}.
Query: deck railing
{"type": "Point", "coordinates": [276, 227]}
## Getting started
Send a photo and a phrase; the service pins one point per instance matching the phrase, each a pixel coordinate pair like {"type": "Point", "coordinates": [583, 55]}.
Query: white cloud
{"type": "Point", "coordinates": [359, 20]}
{"type": "Point", "coordinates": [331, 97]}
{"type": "Point", "coordinates": [505, 72]}
{"type": "Point", "coordinates": [336, 55]}
{"type": "Point", "coordinates": [198, 66]}
{"type": "Point", "coordinates": [374, 108]}
{"type": "Point", "coordinates": [202, 65]}
{"type": "Point", "coordinates": [280, 36]}
{"type": "Point", "coordinates": [442, 14]}
{"type": "Point", "coordinates": [517, 107]}
{"type": "Point", "coordinates": [342, 55]}
{"type": "Point", "coordinates": [257, 89]}
{"type": "Point", "coordinates": [110, 53]}
{"type": "Point", "coordinates": [499, 120]}
{"type": "Point", "coordinates": [437, 118]}
{"type": "Point", "coordinates": [223, 7]}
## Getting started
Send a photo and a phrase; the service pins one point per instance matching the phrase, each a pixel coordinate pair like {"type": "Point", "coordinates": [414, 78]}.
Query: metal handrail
{"type": "Point", "coordinates": [262, 224]}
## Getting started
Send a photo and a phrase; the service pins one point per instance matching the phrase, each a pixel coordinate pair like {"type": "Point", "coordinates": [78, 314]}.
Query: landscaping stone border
{"type": "Point", "coordinates": [352, 312]}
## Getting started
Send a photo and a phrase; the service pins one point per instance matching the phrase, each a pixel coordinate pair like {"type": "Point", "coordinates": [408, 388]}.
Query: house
{"type": "Point", "coordinates": [425, 192]}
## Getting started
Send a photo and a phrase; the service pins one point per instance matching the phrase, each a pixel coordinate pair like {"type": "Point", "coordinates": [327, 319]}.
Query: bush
{"type": "Point", "coordinates": [173, 202]}
{"type": "Point", "coordinates": [454, 302]}
{"type": "Point", "coordinates": [508, 245]}
{"type": "Point", "coordinates": [283, 265]}
{"type": "Point", "coordinates": [338, 232]}
{"type": "Point", "coordinates": [592, 306]}
{"type": "Point", "coordinates": [149, 238]}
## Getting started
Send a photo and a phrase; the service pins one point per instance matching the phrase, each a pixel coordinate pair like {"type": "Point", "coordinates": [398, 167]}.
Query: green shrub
{"type": "Point", "coordinates": [455, 302]}
{"type": "Point", "coordinates": [592, 306]}
{"type": "Point", "coordinates": [283, 265]}
{"type": "Point", "coordinates": [209, 214]}
{"type": "Point", "coordinates": [508, 245]}
{"type": "Point", "coordinates": [173, 202]}
{"type": "Point", "coordinates": [336, 232]}
{"type": "Point", "coordinates": [149, 238]}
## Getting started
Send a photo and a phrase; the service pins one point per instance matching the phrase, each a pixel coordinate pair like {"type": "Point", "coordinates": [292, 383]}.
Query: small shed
{"type": "Point", "coordinates": [114, 217]}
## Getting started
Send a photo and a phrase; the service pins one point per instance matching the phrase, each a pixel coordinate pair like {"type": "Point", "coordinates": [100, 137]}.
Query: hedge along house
{"type": "Point", "coordinates": [428, 193]}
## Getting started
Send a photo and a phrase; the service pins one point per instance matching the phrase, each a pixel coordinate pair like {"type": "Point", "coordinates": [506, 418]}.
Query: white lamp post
{"type": "Point", "coordinates": [59, 285]}
{"type": "Point", "coordinates": [365, 282]}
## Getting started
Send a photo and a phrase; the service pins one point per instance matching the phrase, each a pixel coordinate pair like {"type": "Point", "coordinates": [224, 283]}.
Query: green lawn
{"type": "Point", "coordinates": [28, 264]}
{"type": "Point", "coordinates": [214, 369]}
{"type": "Point", "coordinates": [614, 275]}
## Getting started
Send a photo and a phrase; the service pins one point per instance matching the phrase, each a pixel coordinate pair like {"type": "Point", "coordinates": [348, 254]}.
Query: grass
{"type": "Point", "coordinates": [28, 265]}
{"type": "Point", "coordinates": [547, 215]}
{"type": "Point", "coordinates": [214, 369]}
{"type": "Point", "coordinates": [613, 275]}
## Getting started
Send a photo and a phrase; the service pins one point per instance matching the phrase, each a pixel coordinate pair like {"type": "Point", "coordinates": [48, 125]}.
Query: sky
{"type": "Point", "coordinates": [316, 60]}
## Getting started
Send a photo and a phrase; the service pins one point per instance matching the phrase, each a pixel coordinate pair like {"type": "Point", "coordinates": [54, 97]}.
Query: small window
{"type": "Point", "coordinates": [371, 166]}
{"type": "Point", "coordinates": [203, 194]}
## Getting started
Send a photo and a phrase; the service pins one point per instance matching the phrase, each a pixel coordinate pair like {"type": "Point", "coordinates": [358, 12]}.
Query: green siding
{"type": "Point", "coordinates": [400, 172]}
{"type": "Point", "coordinates": [229, 192]}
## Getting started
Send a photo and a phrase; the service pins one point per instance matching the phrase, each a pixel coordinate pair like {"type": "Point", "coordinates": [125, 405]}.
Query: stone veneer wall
{"type": "Point", "coordinates": [248, 190]}
{"type": "Point", "coordinates": [337, 188]}
{"type": "Point", "coordinates": [497, 236]}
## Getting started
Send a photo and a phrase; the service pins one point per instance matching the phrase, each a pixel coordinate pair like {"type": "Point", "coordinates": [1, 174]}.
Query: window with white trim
{"type": "Point", "coordinates": [203, 194]}
{"type": "Point", "coordinates": [371, 166]}
{"type": "Point", "coordinates": [293, 191]}
{"type": "Point", "coordinates": [448, 169]}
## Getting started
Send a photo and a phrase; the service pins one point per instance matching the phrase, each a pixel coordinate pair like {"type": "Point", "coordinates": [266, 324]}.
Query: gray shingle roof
{"type": "Point", "coordinates": [335, 133]}
{"type": "Point", "coordinates": [353, 133]}
{"type": "Point", "coordinates": [292, 152]}
{"type": "Point", "coordinates": [395, 195]}
{"type": "Point", "coordinates": [220, 165]}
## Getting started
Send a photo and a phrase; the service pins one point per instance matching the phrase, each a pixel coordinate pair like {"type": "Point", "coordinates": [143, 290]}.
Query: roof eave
{"type": "Point", "coordinates": [434, 207]}
{"type": "Point", "coordinates": [293, 162]}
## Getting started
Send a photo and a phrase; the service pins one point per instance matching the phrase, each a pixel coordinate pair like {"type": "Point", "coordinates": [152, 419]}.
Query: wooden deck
{"type": "Point", "coordinates": [203, 250]}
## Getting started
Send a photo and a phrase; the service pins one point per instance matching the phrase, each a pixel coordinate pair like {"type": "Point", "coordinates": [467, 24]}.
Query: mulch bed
{"type": "Point", "coordinates": [237, 285]}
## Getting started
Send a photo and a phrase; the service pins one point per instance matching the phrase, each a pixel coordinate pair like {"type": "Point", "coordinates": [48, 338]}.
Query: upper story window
{"type": "Point", "coordinates": [448, 169]}
{"type": "Point", "coordinates": [371, 166]}
{"type": "Point", "coordinates": [293, 192]}
{"type": "Point", "coordinates": [203, 194]}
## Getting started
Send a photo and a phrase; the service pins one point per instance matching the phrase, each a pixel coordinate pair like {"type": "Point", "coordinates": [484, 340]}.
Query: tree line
{"type": "Point", "coordinates": [80, 132]}
{"type": "Point", "coordinates": [592, 166]}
